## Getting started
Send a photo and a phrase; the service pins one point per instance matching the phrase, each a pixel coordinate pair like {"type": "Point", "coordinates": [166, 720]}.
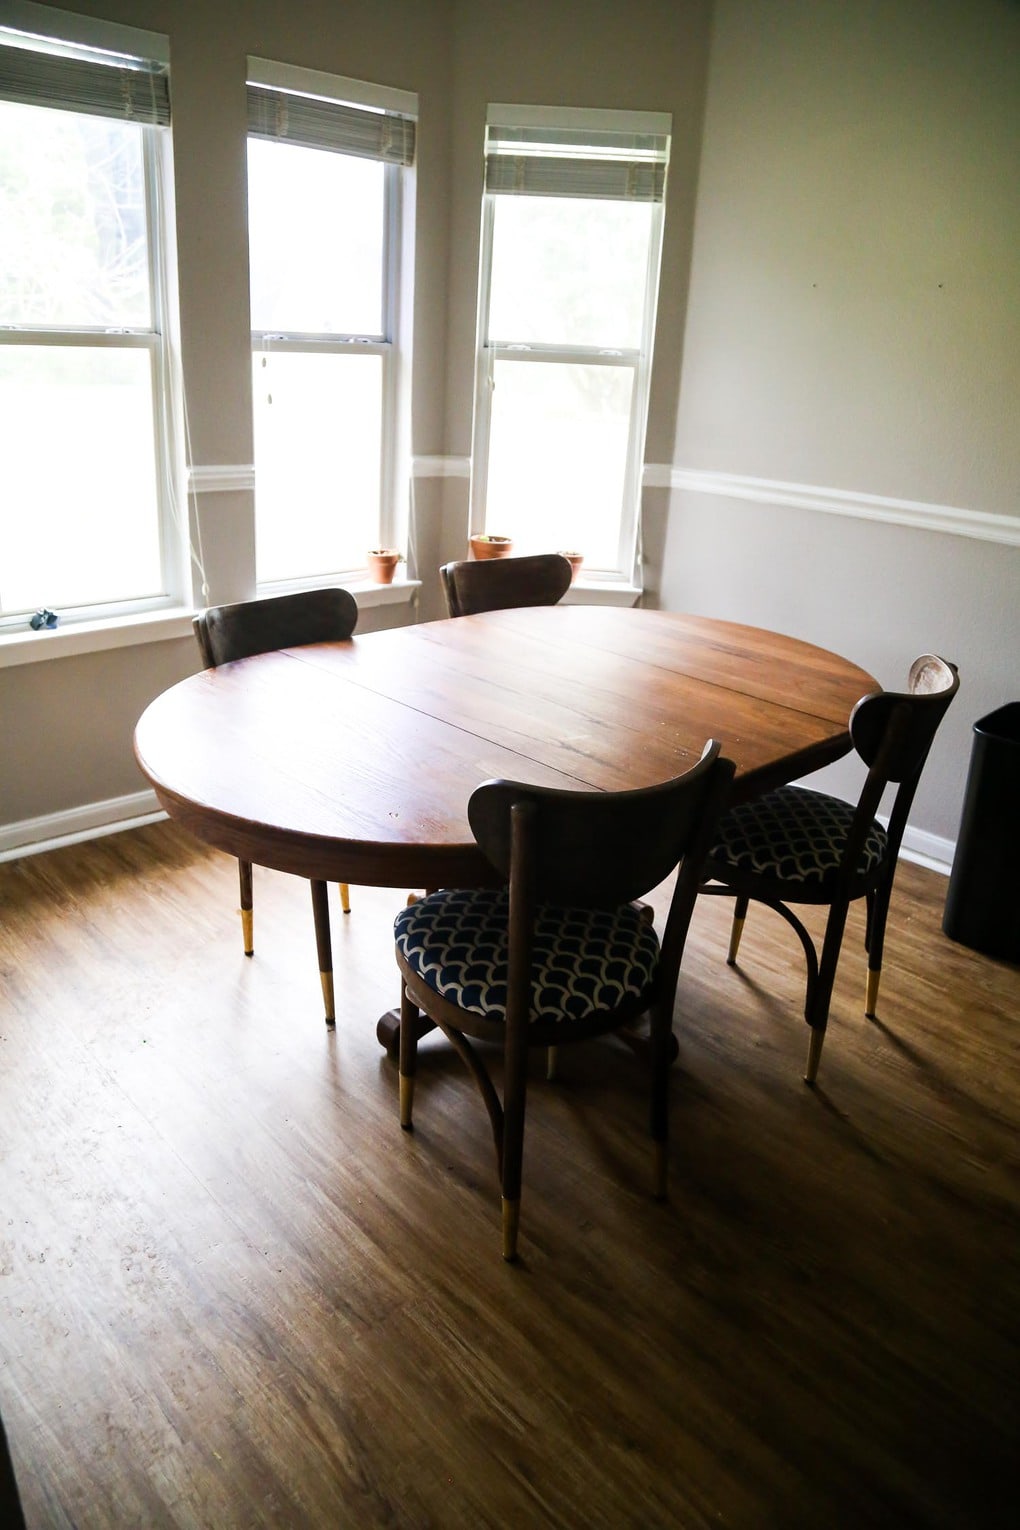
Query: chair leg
{"type": "Point", "coordinates": [661, 1042]}
{"type": "Point", "coordinates": [247, 914]}
{"type": "Point", "coordinates": [878, 910]}
{"type": "Point", "coordinates": [511, 1227]}
{"type": "Point", "coordinates": [345, 897]}
{"type": "Point", "coordinates": [408, 1057]}
{"type": "Point", "coordinates": [816, 1011]}
{"type": "Point", "coordinates": [320, 912]}
{"type": "Point", "coordinates": [551, 1063]}
{"type": "Point", "coordinates": [737, 928]}
{"type": "Point", "coordinates": [515, 1089]}
{"type": "Point", "coordinates": [814, 1055]}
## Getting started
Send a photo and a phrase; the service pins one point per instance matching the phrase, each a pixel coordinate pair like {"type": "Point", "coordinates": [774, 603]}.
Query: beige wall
{"type": "Point", "coordinates": [854, 325]}
{"type": "Point", "coordinates": [850, 160]}
{"type": "Point", "coordinates": [68, 724]}
{"type": "Point", "coordinates": [456, 57]}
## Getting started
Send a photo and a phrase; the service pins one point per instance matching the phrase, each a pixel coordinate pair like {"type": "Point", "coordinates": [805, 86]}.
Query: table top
{"type": "Point", "coordinates": [354, 761]}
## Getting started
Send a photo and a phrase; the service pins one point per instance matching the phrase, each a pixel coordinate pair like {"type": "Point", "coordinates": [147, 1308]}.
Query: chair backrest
{"type": "Point", "coordinates": [600, 849]}
{"type": "Point", "coordinates": [238, 631]}
{"type": "Point", "coordinates": [495, 584]}
{"type": "Point", "coordinates": [893, 732]}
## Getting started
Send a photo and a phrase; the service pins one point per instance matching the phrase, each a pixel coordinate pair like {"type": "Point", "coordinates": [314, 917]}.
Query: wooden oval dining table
{"type": "Point", "coordinates": [354, 761]}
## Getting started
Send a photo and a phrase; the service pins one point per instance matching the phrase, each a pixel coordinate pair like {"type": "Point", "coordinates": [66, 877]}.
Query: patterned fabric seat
{"type": "Point", "coordinates": [583, 959]}
{"type": "Point", "coordinates": [795, 836]}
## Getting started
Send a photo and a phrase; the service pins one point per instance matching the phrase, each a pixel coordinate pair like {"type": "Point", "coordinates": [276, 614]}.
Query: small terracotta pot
{"type": "Point", "coordinates": [575, 559]}
{"type": "Point", "coordinates": [382, 565]}
{"type": "Point", "coordinates": [491, 547]}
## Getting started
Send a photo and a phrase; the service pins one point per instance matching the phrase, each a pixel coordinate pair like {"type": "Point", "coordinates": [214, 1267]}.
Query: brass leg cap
{"type": "Point", "coordinates": [248, 930]}
{"type": "Point", "coordinates": [814, 1055]}
{"type": "Point", "coordinates": [326, 979]}
{"type": "Point", "coordinates": [345, 897]}
{"type": "Point", "coordinates": [871, 997]}
{"type": "Point", "coordinates": [736, 930]}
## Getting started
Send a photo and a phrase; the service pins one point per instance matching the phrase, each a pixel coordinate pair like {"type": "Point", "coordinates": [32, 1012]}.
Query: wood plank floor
{"type": "Point", "coordinates": [234, 1293]}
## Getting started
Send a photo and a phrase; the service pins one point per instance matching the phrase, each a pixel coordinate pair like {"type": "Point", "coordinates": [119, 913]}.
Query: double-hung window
{"type": "Point", "coordinates": [328, 214]}
{"type": "Point", "coordinates": [86, 477]}
{"type": "Point", "coordinates": [571, 240]}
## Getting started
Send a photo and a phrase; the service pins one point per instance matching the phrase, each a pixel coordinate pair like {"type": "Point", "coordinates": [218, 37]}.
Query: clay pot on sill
{"type": "Point", "coordinates": [382, 564]}
{"type": "Point", "coordinates": [575, 559]}
{"type": "Point", "coordinates": [491, 547]}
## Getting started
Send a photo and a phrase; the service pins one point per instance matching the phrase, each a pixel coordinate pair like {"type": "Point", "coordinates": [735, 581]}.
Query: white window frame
{"type": "Point", "coordinates": [393, 344]}
{"type": "Point", "coordinates": [61, 34]}
{"type": "Point", "coordinates": [599, 124]}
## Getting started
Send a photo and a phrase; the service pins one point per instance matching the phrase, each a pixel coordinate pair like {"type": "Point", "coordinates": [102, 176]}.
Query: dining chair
{"type": "Point", "coordinates": [796, 845]}
{"type": "Point", "coordinates": [249, 627]}
{"type": "Point", "coordinates": [495, 584]}
{"type": "Point", "coordinates": [558, 953]}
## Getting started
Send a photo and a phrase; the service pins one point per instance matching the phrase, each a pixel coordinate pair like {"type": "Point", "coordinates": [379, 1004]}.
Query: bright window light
{"type": "Point", "coordinates": [571, 239]}
{"type": "Point", "coordinates": [80, 514]}
{"type": "Point", "coordinates": [324, 210]}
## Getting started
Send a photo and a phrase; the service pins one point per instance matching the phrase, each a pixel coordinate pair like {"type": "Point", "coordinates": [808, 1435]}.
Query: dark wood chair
{"type": "Point", "coordinates": [249, 627]}
{"type": "Point", "coordinates": [800, 846]}
{"type": "Point", "coordinates": [496, 584]}
{"type": "Point", "coordinates": [560, 953]}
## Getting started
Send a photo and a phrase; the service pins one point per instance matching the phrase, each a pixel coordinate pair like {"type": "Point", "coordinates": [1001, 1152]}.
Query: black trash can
{"type": "Point", "coordinates": [983, 902]}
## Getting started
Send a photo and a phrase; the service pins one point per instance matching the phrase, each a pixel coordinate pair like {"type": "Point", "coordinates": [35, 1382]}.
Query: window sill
{"type": "Point", "coordinates": [23, 646]}
{"type": "Point", "coordinates": [596, 593]}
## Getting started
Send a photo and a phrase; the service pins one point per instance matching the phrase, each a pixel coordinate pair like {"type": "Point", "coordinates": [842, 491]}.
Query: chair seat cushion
{"type": "Point", "coordinates": [791, 835]}
{"type": "Point", "coordinates": [584, 960]}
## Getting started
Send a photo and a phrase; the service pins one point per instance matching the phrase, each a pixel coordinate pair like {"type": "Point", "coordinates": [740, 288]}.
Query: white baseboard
{"type": "Point", "coordinates": [34, 835]}
{"type": "Point", "coordinates": [929, 850]}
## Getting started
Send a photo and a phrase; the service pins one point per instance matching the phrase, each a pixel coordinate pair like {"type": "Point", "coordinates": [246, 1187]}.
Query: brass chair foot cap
{"type": "Point", "coordinates": [814, 1056]}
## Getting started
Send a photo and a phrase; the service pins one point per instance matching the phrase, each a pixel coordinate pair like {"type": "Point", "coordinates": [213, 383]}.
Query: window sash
{"type": "Point", "coordinates": [488, 350]}
{"type": "Point", "coordinates": [165, 422]}
{"type": "Point", "coordinates": [345, 128]}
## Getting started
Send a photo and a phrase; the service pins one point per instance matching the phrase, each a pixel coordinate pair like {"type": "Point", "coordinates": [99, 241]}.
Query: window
{"type": "Point", "coordinates": [571, 237]}
{"type": "Point", "coordinates": [327, 168]}
{"type": "Point", "coordinates": [85, 471]}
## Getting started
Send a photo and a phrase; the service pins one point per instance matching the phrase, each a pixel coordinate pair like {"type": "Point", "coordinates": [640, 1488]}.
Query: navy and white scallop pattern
{"type": "Point", "coordinates": [583, 959]}
{"type": "Point", "coordinates": [793, 834]}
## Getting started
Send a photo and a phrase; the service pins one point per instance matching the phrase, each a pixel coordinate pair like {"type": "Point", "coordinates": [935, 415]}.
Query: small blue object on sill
{"type": "Point", "coordinates": [44, 620]}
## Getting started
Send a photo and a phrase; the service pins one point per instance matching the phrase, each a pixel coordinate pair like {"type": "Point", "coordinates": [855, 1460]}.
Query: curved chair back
{"type": "Point", "coordinates": [496, 584]}
{"type": "Point", "coordinates": [601, 849]}
{"type": "Point", "coordinates": [893, 732]}
{"type": "Point", "coordinates": [900, 748]}
{"type": "Point", "coordinates": [249, 627]}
